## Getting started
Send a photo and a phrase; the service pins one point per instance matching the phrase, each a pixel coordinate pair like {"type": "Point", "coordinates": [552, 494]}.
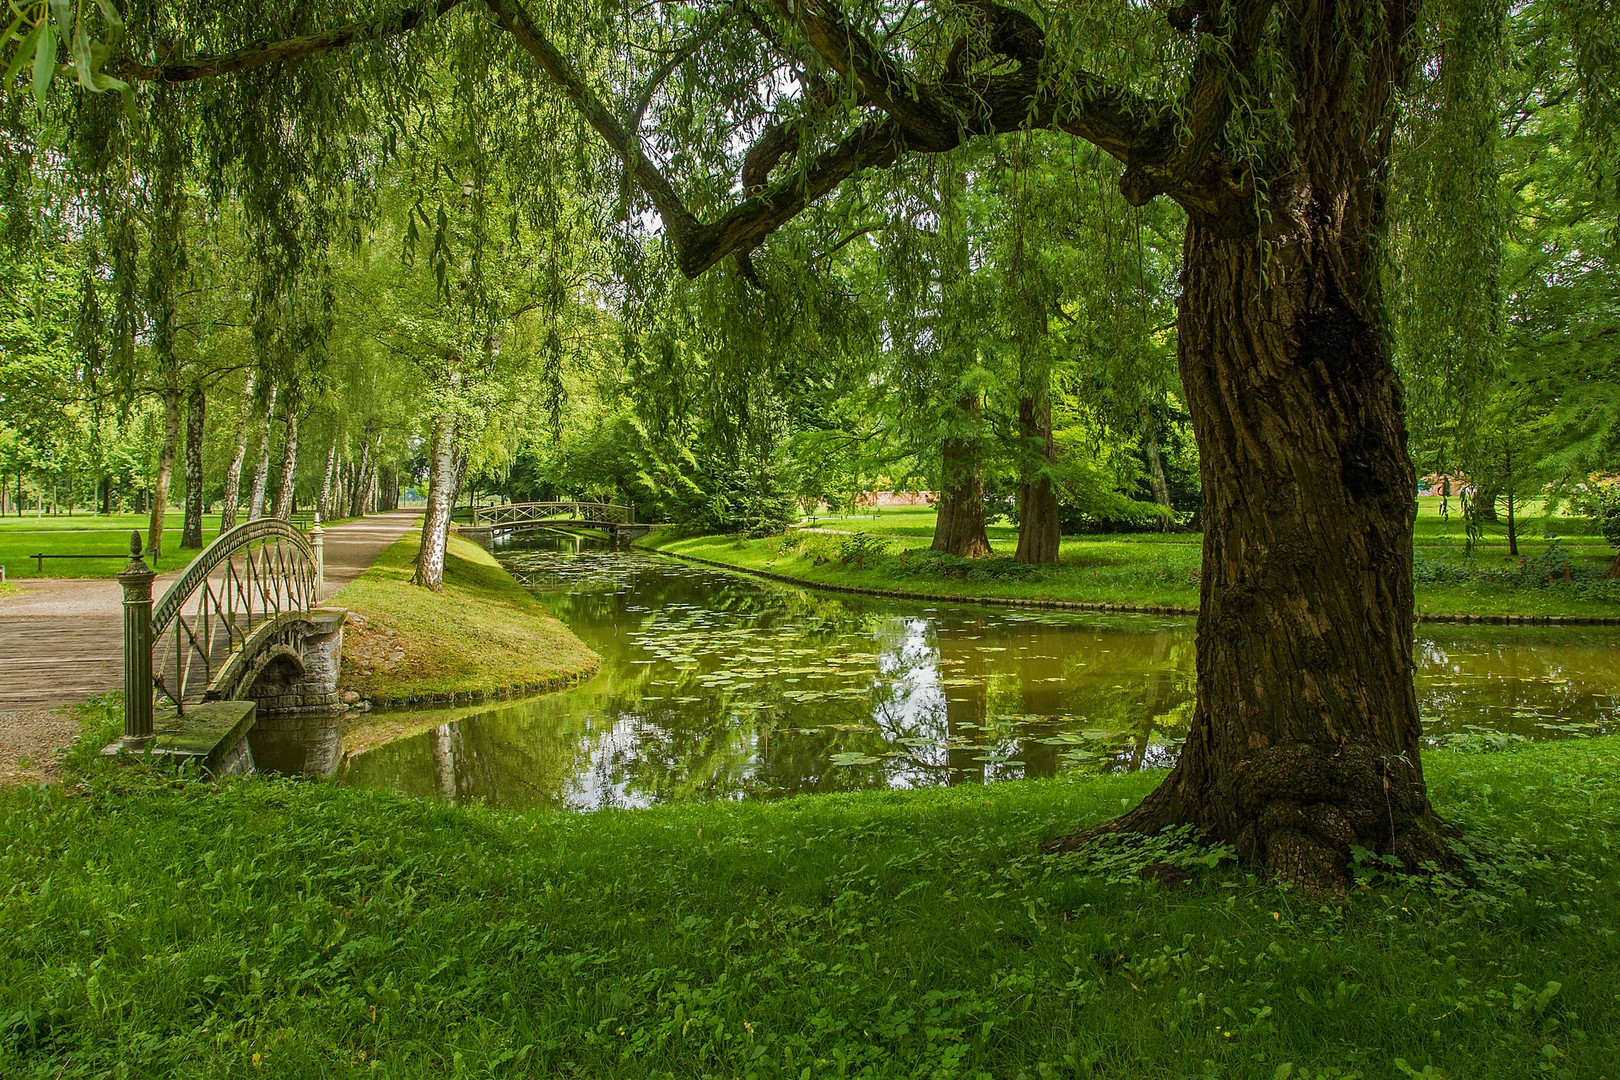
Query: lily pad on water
{"type": "Point", "coordinates": [846, 758]}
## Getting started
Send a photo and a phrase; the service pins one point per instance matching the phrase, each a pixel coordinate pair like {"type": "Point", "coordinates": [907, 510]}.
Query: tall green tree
{"type": "Point", "coordinates": [1269, 123]}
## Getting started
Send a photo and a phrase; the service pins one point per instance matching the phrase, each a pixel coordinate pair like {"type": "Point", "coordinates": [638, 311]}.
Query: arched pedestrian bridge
{"type": "Point", "coordinates": [226, 665]}
{"type": "Point", "coordinates": [619, 522]}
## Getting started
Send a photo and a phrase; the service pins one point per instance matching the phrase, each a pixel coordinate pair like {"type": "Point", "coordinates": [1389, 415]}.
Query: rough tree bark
{"type": "Point", "coordinates": [959, 526]}
{"type": "Point", "coordinates": [165, 470]}
{"type": "Point", "coordinates": [1305, 736]}
{"type": "Point", "coordinates": [196, 404]}
{"type": "Point", "coordinates": [261, 473]}
{"type": "Point", "coordinates": [289, 467]}
{"type": "Point", "coordinates": [233, 474]}
{"type": "Point", "coordinates": [1039, 533]}
{"type": "Point", "coordinates": [441, 489]}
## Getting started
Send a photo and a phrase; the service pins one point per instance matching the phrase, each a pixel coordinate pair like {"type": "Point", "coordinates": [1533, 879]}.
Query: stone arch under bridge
{"type": "Point", "coordinates": [237, 664]}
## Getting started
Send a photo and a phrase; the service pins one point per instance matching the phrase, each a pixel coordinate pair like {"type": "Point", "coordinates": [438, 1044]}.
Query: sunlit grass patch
{"type": "Point", "coordinates": [483, 633]}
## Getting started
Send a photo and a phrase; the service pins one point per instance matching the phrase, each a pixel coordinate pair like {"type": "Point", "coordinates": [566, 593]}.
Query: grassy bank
{"type": "Point", "coordinates": [886, 551]}
{"type": "Point", "coordinates": [484, 635]}
{"type": "Point", "coordinates": [262, 928]}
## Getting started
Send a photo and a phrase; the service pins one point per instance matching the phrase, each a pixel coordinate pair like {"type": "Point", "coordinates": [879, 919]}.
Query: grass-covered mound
{"type": "Point", "coordinates": [257, 928]}
{"type": "Point", "coordinates": [484, 634]}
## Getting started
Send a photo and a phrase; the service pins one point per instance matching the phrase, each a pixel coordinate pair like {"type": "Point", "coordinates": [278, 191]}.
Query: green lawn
{"type": "Point", "coordinates": [82, 534]}
{"type": "Point", "coordinates": [484, 633]}
{"type": "Point", "coordinates": [1160, 570]}
{"type": "Point", "coordinates": [156, 928]}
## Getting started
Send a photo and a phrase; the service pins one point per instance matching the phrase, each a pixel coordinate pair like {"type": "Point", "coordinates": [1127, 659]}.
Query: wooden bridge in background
{"type": "Point", "coordinates": [619, 522]}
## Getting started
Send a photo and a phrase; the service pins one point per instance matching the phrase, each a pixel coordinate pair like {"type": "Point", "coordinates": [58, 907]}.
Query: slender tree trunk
{"type": "Point", "coordinates": [261, 474]}
{"type": "Point", "coordinates": [324, 501]}
{"type": "Point", "coordinates": [368, 481]}
{"type": "Point", "coordinates": [233, 474]}
{"type": "Point", "coordinates": [1512, 523]}
{"type": "Point", "coordinates": [289, 467]}
{"type": "Point", "coordinates": [357, 494]}
{"type": "Point", "coordinates": [461, 477]}
{"type": "Point", "coordinates": [959, 526]}
{"type": "Point", "coordinates": [1155, 463]}
{"type": "Point", "coordinates": [165, 473]}
{"type": "Point", "coordinates": [441, 490]}
{"type": "Point", "coordinates": [1039, 532]}
{"type": "Point", "coordinates": [196, 403]}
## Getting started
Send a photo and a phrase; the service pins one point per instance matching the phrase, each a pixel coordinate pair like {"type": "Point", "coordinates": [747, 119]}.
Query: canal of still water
{"type": "Point", "coordinates": [715, 685]}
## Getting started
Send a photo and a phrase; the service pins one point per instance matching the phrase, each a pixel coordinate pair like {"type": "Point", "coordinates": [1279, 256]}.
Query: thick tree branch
{"type": "Point", "coordinates": [1240, 24]}
{"type": "Point", "coordinates": [677, 219]}
{"type": "Point", "coordinates": [916, 118]}
{"type": "Point", "coordinates": [205, 67]}
{"type": "Point", "coordinates": [878, 79]}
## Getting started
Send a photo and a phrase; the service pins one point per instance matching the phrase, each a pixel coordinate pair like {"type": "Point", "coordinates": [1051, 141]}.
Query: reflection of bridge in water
{"type": "Point", "coordinates": [619, 522]}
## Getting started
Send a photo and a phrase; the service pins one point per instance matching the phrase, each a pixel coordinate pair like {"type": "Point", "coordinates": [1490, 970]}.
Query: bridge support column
{"type": "Point", "coordinates": [317, 540]}
{"type": "Point", "coordinates": [136, 580]}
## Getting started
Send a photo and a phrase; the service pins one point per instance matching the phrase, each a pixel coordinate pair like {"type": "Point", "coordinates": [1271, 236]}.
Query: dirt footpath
{"type": "Point", "coordinates": [30, 741]}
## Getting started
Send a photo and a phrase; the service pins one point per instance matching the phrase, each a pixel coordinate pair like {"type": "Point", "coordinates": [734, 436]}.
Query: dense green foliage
{"type": "Point", "coordinates": [413, 225]}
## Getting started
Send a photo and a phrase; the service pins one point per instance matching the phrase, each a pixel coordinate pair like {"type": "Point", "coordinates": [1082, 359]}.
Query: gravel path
{"type": "Point", "coordinates": [29, 742]}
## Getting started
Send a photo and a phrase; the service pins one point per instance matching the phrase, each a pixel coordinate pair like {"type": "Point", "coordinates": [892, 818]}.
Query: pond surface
{"type": "Point", "coordinates": [719, 686]}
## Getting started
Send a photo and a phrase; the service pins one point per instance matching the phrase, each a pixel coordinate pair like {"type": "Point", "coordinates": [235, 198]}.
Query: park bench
{"type": "Point", "coordinates": [39, 558]}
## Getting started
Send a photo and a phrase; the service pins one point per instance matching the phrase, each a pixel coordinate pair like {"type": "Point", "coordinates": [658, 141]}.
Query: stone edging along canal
{"type": "Point", "coordinates": [1114, 609]}
{"type": "Point", "coordinates": [499, 693]}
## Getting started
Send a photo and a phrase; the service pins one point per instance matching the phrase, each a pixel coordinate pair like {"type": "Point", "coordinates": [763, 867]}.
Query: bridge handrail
{"type": "Point", "coordinates": [578, 509]}
{"type": "Point", "coordinates": [210, 558]}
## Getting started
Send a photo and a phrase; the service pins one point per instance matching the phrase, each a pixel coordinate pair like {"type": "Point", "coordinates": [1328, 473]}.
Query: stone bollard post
{"type": "Point", "coordinates": [317, 538]}
{"type": "Point", "coordinates": [136, 579]}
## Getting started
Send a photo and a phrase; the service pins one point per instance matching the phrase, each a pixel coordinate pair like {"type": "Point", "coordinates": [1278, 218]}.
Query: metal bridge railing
{"type": "Point", "coordinates": [174, 649]}
{"type": "Point", "coordinates": [565, 510]}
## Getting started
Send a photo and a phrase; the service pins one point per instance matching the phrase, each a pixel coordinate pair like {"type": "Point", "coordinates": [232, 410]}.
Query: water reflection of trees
{"type": "Point", "coordinates": [1525, 681]}
{"type": "Point", "coordinates": [719, 686]}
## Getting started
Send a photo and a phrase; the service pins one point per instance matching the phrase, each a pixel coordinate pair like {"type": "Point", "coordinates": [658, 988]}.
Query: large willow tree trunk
{"type": "Point", "coordinates": [233, 474]}
{"type": "Point", "coordinates": [959, 526]}
{"type": "Point", "coordinates": [261, 474]}
{"type": "Point", "coordinates": [165, 472]}
{"type": "Point", "coordinates": [1039, 533]}
{"type": "Point", "coordinates": [196, 404]}
{"type": "Point", "coordinates": [1305, 737]}
{"type": "Point", "coordinates": [441, 490]}
{"type": "Point", "coordinates": [289, 467]}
